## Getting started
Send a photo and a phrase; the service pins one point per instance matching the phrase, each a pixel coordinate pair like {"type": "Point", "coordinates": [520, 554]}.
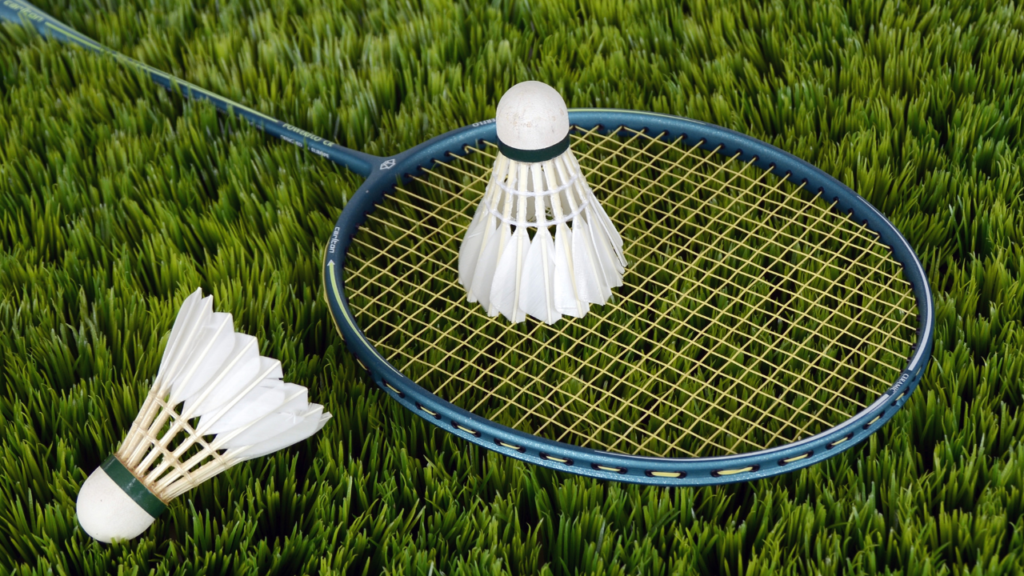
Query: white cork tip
{"type": "Point", "coordinates": [532, 116]}
{"type": "Point", "coordinates": [106, 512]}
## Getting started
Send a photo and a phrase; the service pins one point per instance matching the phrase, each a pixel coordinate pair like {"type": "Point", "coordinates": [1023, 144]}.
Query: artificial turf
{"type": "Point", "coordinates": [117, 199]}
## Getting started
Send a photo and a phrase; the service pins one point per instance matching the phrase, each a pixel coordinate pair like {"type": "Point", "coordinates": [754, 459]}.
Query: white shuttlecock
{"type": "Point", "coordinates": [215, 402]}
{"type": "Point", "coordinates": [537, 184]}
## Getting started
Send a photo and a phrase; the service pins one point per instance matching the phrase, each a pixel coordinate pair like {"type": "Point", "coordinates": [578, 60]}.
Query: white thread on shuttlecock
{"type": "Point", "coordinates": [533, 224]}
{"type": "Point", "coordinates": [561, 188]}
{"type": "Point", "coordinates": [215, 402]}
{"type": "Point", "coordinates": [537, 184]}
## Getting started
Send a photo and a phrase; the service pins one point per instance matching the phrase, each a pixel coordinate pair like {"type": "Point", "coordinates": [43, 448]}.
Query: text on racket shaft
{"type": "Point", "coordinates": [307, 136]}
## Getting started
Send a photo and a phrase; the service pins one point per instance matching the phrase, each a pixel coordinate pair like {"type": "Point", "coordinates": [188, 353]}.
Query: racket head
{"type": "Point", "coordinates": [697, 469]}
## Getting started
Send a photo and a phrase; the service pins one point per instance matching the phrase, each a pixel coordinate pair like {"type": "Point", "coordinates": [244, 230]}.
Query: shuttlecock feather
{"type": "Point", "coordinates": [537, 184]}
{"type": "Point", "coordinates": [215, 402]}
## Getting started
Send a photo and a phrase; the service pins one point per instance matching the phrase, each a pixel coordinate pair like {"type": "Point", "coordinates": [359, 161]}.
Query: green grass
{"type": "Point", "coordinates": [117, 199]}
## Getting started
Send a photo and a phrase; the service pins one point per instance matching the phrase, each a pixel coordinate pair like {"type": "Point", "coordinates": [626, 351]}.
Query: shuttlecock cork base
{"type": "Point", "coordinates": [113, 503]}
{"type": "Point", "coordinates": [215, 402]}
{"type": "Point", "coordinates": [537, 185]}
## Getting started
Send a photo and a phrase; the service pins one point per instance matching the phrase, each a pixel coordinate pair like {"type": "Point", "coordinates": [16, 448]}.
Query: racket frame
{"type": "Point", "coordinates": [403, 167]}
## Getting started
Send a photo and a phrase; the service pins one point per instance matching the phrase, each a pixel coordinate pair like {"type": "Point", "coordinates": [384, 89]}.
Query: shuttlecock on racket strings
{"type": "Point", "coordinates": [215, 402]}
{"type": "Point", "coordinates": [537, 184]}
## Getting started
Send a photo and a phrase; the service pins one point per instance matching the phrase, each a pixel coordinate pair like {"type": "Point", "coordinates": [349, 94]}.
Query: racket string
{"type": "Point", "coordinates": [639, 395]}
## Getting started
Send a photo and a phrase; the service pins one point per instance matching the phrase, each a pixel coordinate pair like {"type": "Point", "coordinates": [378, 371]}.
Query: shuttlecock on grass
{"type": "Point", "coordinates": [215, 402]}
{"type": "Point", "coordinates": [536, 186]}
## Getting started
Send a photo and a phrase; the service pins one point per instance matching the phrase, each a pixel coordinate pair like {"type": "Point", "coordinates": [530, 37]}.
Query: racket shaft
{"type": "Point", "coordinates": [19, 11]}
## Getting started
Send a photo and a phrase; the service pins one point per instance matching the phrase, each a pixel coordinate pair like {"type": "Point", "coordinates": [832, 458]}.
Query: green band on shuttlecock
{"type": "Point", "coordinates": [131, 485]}
{"type": "Point", "coordinates": [532, 156]}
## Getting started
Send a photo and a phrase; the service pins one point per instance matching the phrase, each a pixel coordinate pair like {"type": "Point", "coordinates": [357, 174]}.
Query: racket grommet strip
{"type": "Point", "coordinates": [614, 469]}
{"type": "Point", "coordinates": [428, 411]}
{"type": "Point", "coordinates": [832, 445]}
{"type": "Point", "coordinates": [511, 446]}
{"type": "Point", "coordinates": [734, 471]}
{"type": "Point", "coordinates": [661, 474]}
{"type": "Point", "coordinates": [792, 459]}
{"type": "Point", "coordinates": [566, 461]}
{"type": "Point", "coordinates": [458, 426]}
{"type": "Point", "coordinates": [393, 389]}
{"type": "Point", "coordinates": [875, 419]}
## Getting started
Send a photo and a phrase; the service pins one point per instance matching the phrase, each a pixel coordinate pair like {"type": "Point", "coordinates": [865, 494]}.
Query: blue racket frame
{"type": "Point", "coordinates": [384, 173]}
{"type": "Point", "coordinates": [605, 465]}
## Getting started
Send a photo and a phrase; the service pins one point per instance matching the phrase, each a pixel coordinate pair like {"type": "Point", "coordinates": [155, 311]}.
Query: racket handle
{"type": "Point", "coordinates": [21, 12]}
